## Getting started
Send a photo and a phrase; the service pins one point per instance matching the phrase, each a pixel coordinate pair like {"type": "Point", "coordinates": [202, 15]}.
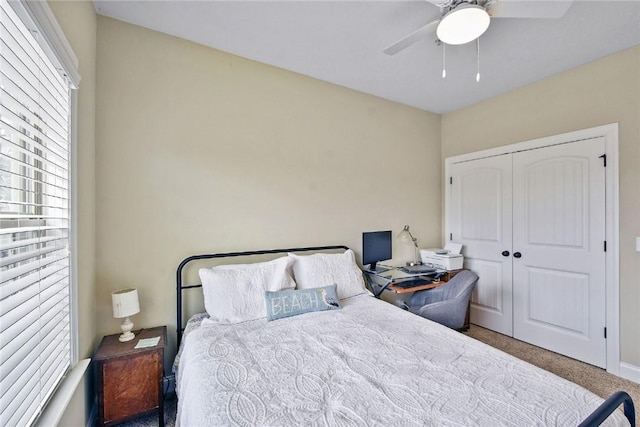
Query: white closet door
{"type": "Point", "coordinates": [481, 221]}
{"type": "Point", "coordinates": [559, 232]}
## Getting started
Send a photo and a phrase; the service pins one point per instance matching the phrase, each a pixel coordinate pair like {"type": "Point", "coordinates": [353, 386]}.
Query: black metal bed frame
{"type": "Point", "coordinates": [607, 408]}
{"type": "Point", "coordinates": [596, 418]}
{"type": "Point", "coordinates": [180, 287]}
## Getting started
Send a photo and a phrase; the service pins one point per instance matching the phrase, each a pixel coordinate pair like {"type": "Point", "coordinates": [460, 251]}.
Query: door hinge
{"type": "Point", "coordinates": [450, 180]}
{"type": "Point", "coordinates": [450, 236]}
{"type": "Point", "coordinates": [605, 246]}
{"type": "Point", "coordinates": [605, 332]}
{"type": "Point", "coordinates": [604, 160]}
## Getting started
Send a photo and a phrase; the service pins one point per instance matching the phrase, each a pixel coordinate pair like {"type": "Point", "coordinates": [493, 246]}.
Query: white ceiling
{"type": "Point", "coordinates": [342, 41]}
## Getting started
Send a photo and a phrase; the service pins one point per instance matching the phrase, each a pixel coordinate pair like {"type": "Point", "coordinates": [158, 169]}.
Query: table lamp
{"type": "Point", "coordinates": [406, 236]}
{"type": "Point", "coordinates": [125, 304]}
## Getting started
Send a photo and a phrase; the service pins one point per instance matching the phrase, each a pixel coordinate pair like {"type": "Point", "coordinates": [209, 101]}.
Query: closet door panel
{"type": "Point", "coordinates": [574, 293]}
{"type": "Point", "coordinates": [559, 232]}
{"type": "Point", "coordinates": [481, 220]}
{"type": "Point", "coordinates": [488, 297]}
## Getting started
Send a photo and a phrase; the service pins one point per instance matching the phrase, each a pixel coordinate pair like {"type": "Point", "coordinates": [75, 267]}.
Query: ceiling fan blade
{"type": "Point", "coordinates": [412, 38]}
{"type": "Point", "coordinates": [529, 8]}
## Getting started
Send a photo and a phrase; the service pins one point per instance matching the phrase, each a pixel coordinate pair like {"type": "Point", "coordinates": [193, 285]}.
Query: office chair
{"type": "Point", "coordinates": [446, 304]}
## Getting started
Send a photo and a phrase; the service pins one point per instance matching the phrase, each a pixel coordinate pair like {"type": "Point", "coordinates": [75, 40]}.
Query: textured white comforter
{"type": "Point", "coordinates": [369, 363]}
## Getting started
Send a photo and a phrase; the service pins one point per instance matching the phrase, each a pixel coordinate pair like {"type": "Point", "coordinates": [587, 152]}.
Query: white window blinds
{"type": "Point", "coordinates": [35, 318]}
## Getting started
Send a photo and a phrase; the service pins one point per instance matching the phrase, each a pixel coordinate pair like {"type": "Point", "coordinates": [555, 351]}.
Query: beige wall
{"type": "Point", "coordinates": [602, 92]}
{"type": "Point", "coordinates": [79, 23]}
{"type": "Point", "coordinates": [199, 151]}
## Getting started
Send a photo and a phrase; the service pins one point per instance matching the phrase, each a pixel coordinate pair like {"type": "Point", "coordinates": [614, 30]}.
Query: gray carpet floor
{"type": "Point", "coordinates": [590, 377]}
{"type": "Point", "coordinates": [170, 406]}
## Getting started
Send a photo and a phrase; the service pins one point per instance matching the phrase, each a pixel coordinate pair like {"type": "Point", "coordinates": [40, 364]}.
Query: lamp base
{"type": "Point", "coordinates": [127, 326]}
{"type": "Point", "coordinates": [126, 337]}
{"type": "Point", "coordinates": [413, 263]}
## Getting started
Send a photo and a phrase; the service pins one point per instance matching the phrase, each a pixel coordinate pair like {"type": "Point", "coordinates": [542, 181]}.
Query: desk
{"type": "Point", "coordinates": [386, 281]}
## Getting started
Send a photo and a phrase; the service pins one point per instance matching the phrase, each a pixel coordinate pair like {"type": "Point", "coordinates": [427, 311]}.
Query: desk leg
{"type": "Point", "coordinates": [377, 295]}
{"type": "Point", "coordinates": [377, 285]}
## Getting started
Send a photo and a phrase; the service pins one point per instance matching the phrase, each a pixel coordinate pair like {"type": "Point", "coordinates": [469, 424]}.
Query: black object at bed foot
{"type": "Point", "coordinates": [598, 416]}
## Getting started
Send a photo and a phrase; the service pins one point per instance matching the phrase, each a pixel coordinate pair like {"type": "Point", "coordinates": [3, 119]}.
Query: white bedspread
{"type": "Point", "coordinates": [367, 364]}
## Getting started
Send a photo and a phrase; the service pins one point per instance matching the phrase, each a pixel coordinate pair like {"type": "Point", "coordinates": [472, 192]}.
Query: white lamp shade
{"type": "Point", "coordinates": [406, 237]}
{"type": "Point", "coordinates": [463, 24]}
{"type": "Point", "coordinates": [125, 303]}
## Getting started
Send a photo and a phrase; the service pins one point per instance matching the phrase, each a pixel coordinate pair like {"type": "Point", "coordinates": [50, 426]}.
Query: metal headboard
{"type": "Point", "coordinates": [180, 287]}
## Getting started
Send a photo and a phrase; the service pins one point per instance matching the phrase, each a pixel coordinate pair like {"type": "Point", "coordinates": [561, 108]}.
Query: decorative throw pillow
{"type": "Point", "coordinates": [312, 271]}
{"type": "Point", "coordinates": [292, 303]}
{"type": "Point", "coordinates": [235, 293]}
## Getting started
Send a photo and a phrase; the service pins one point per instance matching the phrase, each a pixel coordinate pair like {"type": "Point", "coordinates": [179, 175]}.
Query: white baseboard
{"type": "Point", "coordinates": [629, 372]}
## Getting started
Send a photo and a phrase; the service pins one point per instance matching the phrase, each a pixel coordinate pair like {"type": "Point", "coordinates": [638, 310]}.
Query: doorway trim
{"type": "Point", "coordinates": [612, 264]}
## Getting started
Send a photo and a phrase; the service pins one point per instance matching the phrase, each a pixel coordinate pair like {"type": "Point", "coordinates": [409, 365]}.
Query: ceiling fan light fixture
{"type": "Point", "coordinates": [463, 24]}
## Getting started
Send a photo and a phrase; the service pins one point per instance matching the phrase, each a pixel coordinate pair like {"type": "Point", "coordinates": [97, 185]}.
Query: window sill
{"type": "Point", "coordinates": [57, 406]}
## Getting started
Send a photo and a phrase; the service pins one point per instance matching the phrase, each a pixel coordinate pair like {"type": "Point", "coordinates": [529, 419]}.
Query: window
{"type": "Point", "coordinates": [36, 336]}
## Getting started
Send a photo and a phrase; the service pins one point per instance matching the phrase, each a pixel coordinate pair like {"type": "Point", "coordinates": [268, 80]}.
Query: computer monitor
{"type": "Point", "coordinates": [376, 247]}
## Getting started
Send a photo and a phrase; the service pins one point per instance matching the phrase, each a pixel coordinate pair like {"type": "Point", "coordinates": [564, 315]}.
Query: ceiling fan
{"type": "Point", "coordinates": [463, 21]}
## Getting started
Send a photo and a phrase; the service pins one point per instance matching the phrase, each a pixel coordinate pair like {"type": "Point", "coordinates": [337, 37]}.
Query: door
{"type": "Point", "coordinates": [480, 219]}
{"type": "Point", "coordinates": [559, 254]}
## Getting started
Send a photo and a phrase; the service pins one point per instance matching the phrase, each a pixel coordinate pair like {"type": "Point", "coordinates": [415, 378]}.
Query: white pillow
{"type": "Point", "coordinates": [235, 293]}
{"type": "Point", "coordinates": [313, 271]}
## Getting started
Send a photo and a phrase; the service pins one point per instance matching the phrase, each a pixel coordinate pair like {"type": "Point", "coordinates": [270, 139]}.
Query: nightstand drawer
{"type": "Point", "coordinates": [130, 386]}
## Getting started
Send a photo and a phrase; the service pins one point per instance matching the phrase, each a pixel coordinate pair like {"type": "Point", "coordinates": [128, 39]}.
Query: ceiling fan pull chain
{"type": "Point", "coordinates": [444, 61]}
{"type": "Point", "coordinates": [478, 58]}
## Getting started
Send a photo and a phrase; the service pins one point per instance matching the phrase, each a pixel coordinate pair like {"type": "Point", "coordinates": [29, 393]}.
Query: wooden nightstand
{"type": "Point", "coordinates": [129, 380]}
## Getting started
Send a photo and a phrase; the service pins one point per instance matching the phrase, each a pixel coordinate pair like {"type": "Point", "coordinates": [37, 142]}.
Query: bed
{"type": "Point", "coordinates": [364, 363]}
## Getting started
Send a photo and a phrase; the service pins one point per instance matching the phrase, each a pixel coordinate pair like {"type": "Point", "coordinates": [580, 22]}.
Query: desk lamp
{"type": "Point", "coordinates": [125, 304]}
{"type": "Point", "coordinates": [406, 236]}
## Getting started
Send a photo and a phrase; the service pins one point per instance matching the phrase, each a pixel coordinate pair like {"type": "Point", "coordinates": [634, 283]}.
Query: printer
{"type": "Point", "coordinates": [448, 258]}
